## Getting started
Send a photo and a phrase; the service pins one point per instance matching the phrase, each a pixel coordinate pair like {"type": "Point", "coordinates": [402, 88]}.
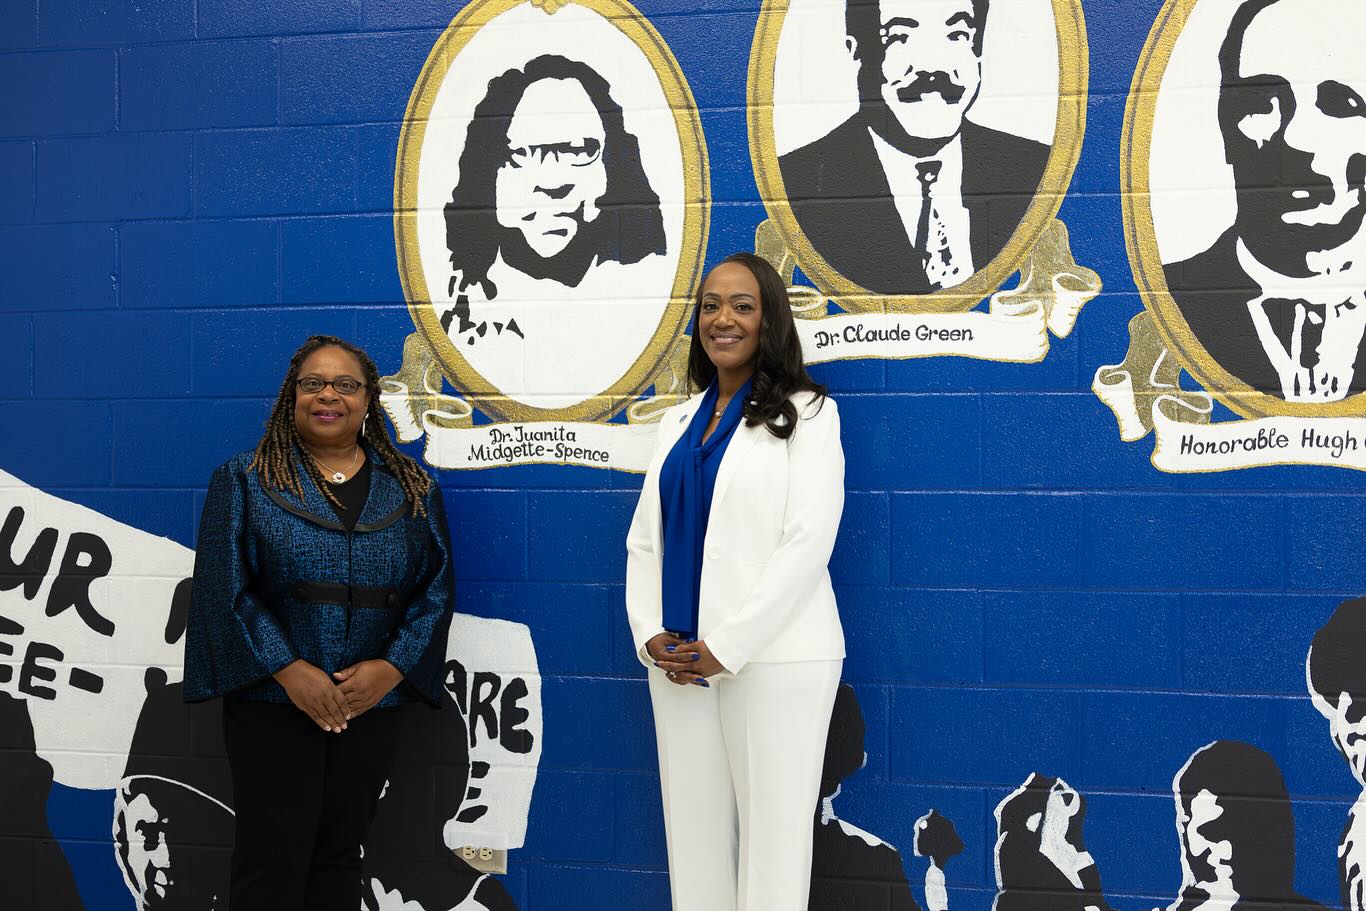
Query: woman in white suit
{"type": "Point", "coordinates": [730, 603]}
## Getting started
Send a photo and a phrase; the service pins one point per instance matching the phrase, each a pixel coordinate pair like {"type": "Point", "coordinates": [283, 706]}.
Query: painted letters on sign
{"type": "Point", "coordinates": [87, 604]}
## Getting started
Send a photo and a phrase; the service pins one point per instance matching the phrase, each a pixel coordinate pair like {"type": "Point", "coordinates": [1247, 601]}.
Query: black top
{"type": "Point", "coordinates": [352, 493]}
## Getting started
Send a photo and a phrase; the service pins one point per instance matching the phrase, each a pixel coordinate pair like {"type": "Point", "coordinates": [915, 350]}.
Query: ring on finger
{"type": "Point", "coordinates": [672, 675]}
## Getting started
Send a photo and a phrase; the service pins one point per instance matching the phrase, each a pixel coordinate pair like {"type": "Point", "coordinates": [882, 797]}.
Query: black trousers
{"type": "Point", "coordinates": [304, 801]}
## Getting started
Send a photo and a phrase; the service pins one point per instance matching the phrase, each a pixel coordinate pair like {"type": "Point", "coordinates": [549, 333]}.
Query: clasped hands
{"type": "Point", "coordinates": [687, 662]}
{"type": "Point", "coordinates": [332, 704]}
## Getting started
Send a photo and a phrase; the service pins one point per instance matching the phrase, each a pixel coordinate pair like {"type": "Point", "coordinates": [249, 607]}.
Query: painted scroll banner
{"type": "Point", "coordinates": [1145, 394]}
{"type": "Point", "coordinates": [453, 441]}
{"type": "Point", "coordinates": [1183, 447]}
{"type": "Point", "coordinates": [625, 447]}
{"type": "Point", "coordinates": [1019, 335]}
{"type": "Point", "coordinates": [415, 400]}
{"type": "Point", "coordinates": [1014, 328]}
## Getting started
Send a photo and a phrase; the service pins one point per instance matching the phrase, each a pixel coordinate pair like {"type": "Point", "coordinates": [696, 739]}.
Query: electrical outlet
{"type": "Point", "coordinates": [484, 859]}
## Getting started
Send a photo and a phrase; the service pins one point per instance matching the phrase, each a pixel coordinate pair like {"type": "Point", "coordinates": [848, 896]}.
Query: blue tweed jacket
{"type": "Point", "coordinates": [277, 578]}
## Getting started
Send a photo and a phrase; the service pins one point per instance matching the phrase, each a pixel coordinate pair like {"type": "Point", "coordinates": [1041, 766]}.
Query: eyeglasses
{"type": "Point", "coordinates": [345, 385]}
{"type": "Point", "coordinates": [575, 154]}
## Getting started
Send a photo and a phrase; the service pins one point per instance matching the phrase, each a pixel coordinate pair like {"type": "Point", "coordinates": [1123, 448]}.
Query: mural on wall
{"type": "Point", "coordinates": [936, 839]}
{"type": "Point", "coordinates": [1254, 284]}
{"type": "Point", "coordinates": [1237, 831]}
{"type": "Point", "coordinates": [434, 799]}
{"type": "Point", "coordinates": [32, 862]}
{"type": "Point", "coordinates": [1337, 687]}
{"type": "Point", "coordinates": [92, 613]}
{"type": "Point", "coordinates": [551, 214]}
{"type": "Point", "coordinates": [173, 819]}
{"type": "Point", "coordinates": [86, 605]}
{"type": "Point", "coordinates": [1041, 859]}
{"type": "Point", "coordinates": [1234, 823]}
{"type": "Point", "coordinates": [1234, 820]}
{"type": "Point", "coordinates": [851, 870]}
{"type": "Point", "coordinates": [913, 155]}
{"type": "Point", "coordinates": [464, 776]}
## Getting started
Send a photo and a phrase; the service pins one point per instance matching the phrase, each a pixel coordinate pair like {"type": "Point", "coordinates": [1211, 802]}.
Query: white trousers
{"type": "Point", "coordinates": [740, 770]}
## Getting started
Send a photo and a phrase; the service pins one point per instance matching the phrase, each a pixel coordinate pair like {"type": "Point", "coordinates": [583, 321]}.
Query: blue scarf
{"type": "Point", "coordinates": [686, 482]}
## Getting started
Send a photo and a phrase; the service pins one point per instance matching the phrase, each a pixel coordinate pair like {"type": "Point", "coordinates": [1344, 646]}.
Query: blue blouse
{"type": "Point", "coordinates": [686, 482]}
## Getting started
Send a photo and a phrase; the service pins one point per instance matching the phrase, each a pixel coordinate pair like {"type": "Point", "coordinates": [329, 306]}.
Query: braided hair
{"type": "Point", "coordinates": [279, 453]}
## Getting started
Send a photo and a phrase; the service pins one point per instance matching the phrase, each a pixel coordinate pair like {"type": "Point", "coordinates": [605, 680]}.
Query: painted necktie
{"type": "Point", "coordinates": [931, 235]}
{"type": "Point", "coordinates": [1318, 346]}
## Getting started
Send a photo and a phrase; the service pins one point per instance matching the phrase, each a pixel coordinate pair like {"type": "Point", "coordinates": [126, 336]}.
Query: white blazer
{"type": "Point", "coordinates": [775, 511]}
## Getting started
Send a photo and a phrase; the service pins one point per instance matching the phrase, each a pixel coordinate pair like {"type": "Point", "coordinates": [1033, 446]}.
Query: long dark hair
{"type": "Point", "coordinates": [630, 226]}
{"type": "Point", "coordinates": [279, 454]}
{"type": "Point", "coordinates": [778, 370]}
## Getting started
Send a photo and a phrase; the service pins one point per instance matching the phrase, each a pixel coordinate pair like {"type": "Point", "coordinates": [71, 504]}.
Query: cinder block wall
{"type": "Point", "coordinates": [190, 187]}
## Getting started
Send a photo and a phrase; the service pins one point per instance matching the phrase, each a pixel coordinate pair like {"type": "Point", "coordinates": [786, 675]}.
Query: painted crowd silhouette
{"type": "Point", "coordinates": [1233, 815]}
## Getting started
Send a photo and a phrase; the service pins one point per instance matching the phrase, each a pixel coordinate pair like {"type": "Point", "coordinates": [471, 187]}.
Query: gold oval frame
{"type": "Point", "coordinates": [696, 212]}
{"type": "Point", "coordinates": [1068, 133]}
{"type": "Point", "coordinates": [1140, 237]}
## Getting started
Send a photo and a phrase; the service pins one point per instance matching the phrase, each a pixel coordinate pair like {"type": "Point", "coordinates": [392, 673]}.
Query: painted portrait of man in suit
{"type": "Point", "coordinates": [1279, 299]}
{"type": "Point", "coordinates": [909, 195]}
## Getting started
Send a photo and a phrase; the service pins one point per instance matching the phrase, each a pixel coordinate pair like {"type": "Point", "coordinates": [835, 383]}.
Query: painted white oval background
{"type": "Point", "coordinates": [579, 341]}
{"type": "Point", "coordinates": [1193, 197]}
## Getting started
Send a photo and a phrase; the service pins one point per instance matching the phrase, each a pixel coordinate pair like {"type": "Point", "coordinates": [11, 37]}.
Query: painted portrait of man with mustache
{"type": "Point", "coordinates": [909, 195]}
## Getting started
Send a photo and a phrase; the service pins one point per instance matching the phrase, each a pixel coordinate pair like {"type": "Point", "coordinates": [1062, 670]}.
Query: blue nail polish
{"type": "Point", "coordinates": [697, 656]}
{"type": "Point", "coordinates": [703, 683]}
{"type": "Point", "coordinates": [670, 648]}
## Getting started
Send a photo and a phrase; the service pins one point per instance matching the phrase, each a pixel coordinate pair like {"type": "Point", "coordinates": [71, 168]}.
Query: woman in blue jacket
{"type": "Point", "coordinates": [321, 605]}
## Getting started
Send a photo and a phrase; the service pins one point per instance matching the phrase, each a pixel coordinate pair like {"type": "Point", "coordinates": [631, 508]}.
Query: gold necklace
{"type": "Point", "coordinates": [338, 476]}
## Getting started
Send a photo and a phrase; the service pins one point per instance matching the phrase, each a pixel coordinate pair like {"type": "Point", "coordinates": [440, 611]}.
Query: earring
{"type": "Point", "coordinates": [363, 422]}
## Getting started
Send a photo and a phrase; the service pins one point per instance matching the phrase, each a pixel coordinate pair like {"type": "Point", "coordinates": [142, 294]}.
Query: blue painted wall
{"type": "Point", "coordinates": [187, 189]}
